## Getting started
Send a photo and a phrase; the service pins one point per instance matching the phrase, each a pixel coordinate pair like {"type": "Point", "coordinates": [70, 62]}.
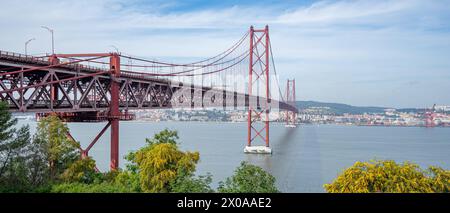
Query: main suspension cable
{"type": "Point", "coordinates": [193, 64]}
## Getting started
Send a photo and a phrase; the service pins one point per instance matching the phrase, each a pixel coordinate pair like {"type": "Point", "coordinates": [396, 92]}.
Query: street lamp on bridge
{"type": "Point", "coordinates": [26, 45]}
{"type": "Point", "coordinates": [53, 40]}
{"type": "Point", "coordinates": [117, 49]}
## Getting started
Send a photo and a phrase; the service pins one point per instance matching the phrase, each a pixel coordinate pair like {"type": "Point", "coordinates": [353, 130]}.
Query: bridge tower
{"type": "Point", "coordinates": [258, 91]}
{"type": "Point", "coordinates": [291, 117]}
{"type": "Point", "coordinates": [114, 112]}
{"type": "Point", "coordinates": [429, 117]}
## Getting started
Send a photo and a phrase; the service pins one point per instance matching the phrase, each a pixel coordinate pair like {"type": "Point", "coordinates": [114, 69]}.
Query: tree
{"type": "Point", "coordinates": [388, 176]}
{"type": "Point", "coordinates": [82, 171]}
{"type": "Point", "coordinates": [7, 124]}
{"type": "Point", "coordinates": [8, 146]}
{"type": "Point", "coordinates": [191, 184]}
{"type": "Point", "coordinates": [15, 171]}
{"type": "Point", "coordinates": [165, 136]}
{"type": "Point", "coordinates": [440, 179]}
{"type": "Point", "coordinates": [38, 168]}
{"type": "Point", "coordinates": [249, 179]}
{"type": "Point", "coordinates": [76, 187]}
{"type": "Point", "coordinates": [129, 180]}
{"type": "Point", "coordinates": [13, 158]}
{"type": "Point", "coordinates": [58, 149]}
{"type": "Point", "coordinates": [160, 162]}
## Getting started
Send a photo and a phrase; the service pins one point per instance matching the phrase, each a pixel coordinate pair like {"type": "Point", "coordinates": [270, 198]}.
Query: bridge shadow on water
{"type": "Point", "coordinates": [296, 159]}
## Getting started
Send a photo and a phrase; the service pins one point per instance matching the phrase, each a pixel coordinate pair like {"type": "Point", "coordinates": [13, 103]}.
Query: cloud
{"type": "Point", "coordinates": [335, 12]}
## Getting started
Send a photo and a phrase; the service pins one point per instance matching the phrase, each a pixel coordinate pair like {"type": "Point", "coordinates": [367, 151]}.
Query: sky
{"type": "Point", "coordinates": [365, 53]}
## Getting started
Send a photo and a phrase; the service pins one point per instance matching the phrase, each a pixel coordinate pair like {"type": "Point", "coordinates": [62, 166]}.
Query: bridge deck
{"type": "Point", "coordinates": [81, 88]}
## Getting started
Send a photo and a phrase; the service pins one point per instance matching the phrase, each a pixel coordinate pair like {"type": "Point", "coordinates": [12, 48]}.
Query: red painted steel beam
{"type": "Point", "coordinates": [114, 112]}
{"type": "Point", "coordinates": [266, 31]}
{"type": "Point", "coordinates": [96, 138]}
{"type": "Point", "coordinates": [287, 100]}
{"type": "Point", "coordinates": [72, 138]}
{"type": "Point", "coordinates": [84, 55]}
{"type": "Point", "coordinates": [55, 81]}
{"type": "Point", "coordinates": [294, 99]}
{"type": "Point", "coordinates": [250, 73]}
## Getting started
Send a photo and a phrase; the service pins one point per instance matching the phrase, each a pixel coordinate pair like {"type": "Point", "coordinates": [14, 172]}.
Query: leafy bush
{"type": "Point", "coordinates": [103, 187]}
{"type": "Point", "coordinates": [191, 184]}
{"type": "Point", "coordinates": [129, 180]}
{"type": "Point", "coordinates": [83, 171]}
{"type": "Point", "coordinates": [388, 176]}
{"type": "Point", "coordinates": [160, 163]}
{"type": "Point", "coordinates": [249, 179]}
{"type": "Point", "coordinates": [57, 148]}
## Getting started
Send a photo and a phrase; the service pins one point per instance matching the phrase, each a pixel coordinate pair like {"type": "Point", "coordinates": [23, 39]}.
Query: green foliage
{"type": "Point", "coordinates": [38, 168]}
{"type": "Point", "coordinates": [13, 153]}
{"type": "Point", "coordinates": [14, 178]}
{"type": "Point", "coordinates": [165, 136]}
{"type": "Point", "coordinates": [82, 171]}
{"type": "Point", "coordinates": [59, 150]}
{"type": "Point", "coordinates": [388, 176]}
{"type": "Point", "coordinates": [33, 165]}
{"type": "Point", "coordinates": [109, 176]}
{"type": "Point", "coordinates": [161, 163]}
{"type": "Point", "coordinates": [103, 187]}
{"type": "Point", "coordinates": [191, 184]}
{"type": "Point", "coordinates": [129, 180]}
{"type": "Point", "coordinates": [131, 166]}
{"type": "Point", "coordinates": [157, 167]}
{"type": "Point", "coordinates": [7, 124]}
{"type": "Point", "coordinates": [249, 179]}
{"type": "Point", "coordinates": [439, 179]}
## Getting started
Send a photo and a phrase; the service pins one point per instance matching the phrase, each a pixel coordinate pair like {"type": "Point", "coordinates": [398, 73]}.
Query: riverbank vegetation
{"type": "Point", "coordinates": [50, 161]}
{"type": "Point", "coordinates": [390, 177]}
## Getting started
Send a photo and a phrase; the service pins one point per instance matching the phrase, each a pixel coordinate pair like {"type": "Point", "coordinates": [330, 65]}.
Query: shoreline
{"type": "Point", "coordinates": [274, 122]}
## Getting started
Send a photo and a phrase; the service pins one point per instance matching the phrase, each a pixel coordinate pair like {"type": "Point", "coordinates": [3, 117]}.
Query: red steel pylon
{"type": "Point", "coordinates": [258, 109]}
{"type": "Point", "coordinates": [429, 117]}
{"type": "Point", "coordinates": [114, 114]}
{"type": "Point", "coordinates": [291, 116]}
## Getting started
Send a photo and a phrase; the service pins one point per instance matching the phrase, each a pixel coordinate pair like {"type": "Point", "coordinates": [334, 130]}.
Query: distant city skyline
{"type": "Point", "coordinates": [364, 53]}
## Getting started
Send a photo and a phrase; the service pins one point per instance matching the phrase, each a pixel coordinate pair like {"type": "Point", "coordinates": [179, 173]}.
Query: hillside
{"type": "Point", "coordinates": [337, 108]}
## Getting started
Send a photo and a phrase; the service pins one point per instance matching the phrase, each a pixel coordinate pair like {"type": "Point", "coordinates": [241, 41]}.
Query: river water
{"type": "Point", "coordinates": [303, 159]}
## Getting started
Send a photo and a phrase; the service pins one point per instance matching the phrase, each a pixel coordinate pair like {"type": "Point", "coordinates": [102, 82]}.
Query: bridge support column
{"type": "Point", "coordinates": [258, 91]}
{"type": "Point", "coordinates": [291, 116]}
{"type": "Point", "coordinates": [53, 87]}
{"type": "Point", "coordinates": [114, 113]}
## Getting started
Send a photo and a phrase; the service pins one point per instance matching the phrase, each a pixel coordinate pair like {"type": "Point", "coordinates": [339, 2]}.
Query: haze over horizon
{"type": "Point", "coordinates": [363, 53]}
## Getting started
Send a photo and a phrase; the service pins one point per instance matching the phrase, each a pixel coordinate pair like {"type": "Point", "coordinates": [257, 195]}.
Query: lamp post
{"type": "Point", "coordinates": [53, 40]}
{"type": "Point", "coordinates": [26, 45]}
{"type": "Point", "coordinates": [117, 49]}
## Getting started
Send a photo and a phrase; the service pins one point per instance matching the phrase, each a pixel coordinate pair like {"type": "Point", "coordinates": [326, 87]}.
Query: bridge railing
{"type": "Point", "coordinates": [43, 61]}
{"type": "Point", "coordinates": [23, 57]}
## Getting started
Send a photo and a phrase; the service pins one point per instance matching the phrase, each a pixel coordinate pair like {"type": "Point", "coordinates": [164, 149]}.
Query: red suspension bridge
{"type": "Point", "coordinates": [101, 87]}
